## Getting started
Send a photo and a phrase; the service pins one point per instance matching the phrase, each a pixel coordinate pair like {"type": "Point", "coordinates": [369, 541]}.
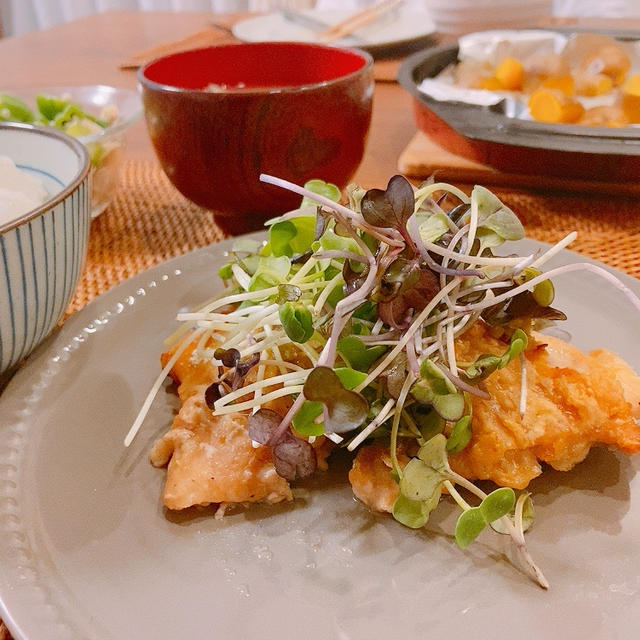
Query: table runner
{"type": "Point", "coordinates": [149, 222]}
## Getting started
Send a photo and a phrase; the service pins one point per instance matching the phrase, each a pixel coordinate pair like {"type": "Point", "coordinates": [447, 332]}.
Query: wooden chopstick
{"type": "Point", "coordinates": [358, 19]}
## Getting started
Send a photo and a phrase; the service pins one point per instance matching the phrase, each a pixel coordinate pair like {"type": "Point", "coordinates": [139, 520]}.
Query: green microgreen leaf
{"type": "Point", "coordinates": [435, 389]}
{"type": "Point", "coordinates": [488, 240]}
{"type": "Point", "coordinates": [271, 272]}
{"type": "Point", "coordinates": [487, 363]}
{"type": "Point", "coordinates": [297, 321]}
{"type": "Point", "coordinates": [494, 216]}
{"type": "Point", "coordinates": [359, 328]}
{"type": "Point", "coordinates": [449, 406]}
{"type": "Point", "coordinates": [291, 237]}
{"type": "Point", "coordinates": [411, 513]}
{"type": "Point", "coordinates": [528, 511]}
{"type": "Point", "coordinates": [428, 420]}
{"type": "Point", "coordinates": [304, 419]}
{"type": "Point", "coordinates": [433, 226]}
{"type": "Point", "coordinates": [357, 354]}
{"type": "Point", "coordinates": [422, 392]}
{"type": "Point", "coordinates": [350, 378]}
{"type": "Point", "coordinates": [430, 372]}
{"type": "Point", "coordinates": [497, 504]}
{"type": "Point", "coordinates": [326, 189]}
{"type": "Point", "coordinates": [225, 272]}
{"type": "Point", "coordinates": [434, 453]}
{"type": "Point", "coordinates": [543, 293]}
{"type": "Point", "coordinates": [472, 521]}
{"type": "Point", "coordinates": [337, 293]}
{"type": "Point", "coordinates": [331, 241]}
{"type": "Point", "coordinates": [366, 311]}
{"type": "Point", "coordinates": [421, 482]}
{"type": "Point", "coordinates": [346, 409]}
{"type": "Point", "coordinates": [527, 514]}
{"type": "Point", "coordinates": [469, 526]}
{"type": "Point", "coordinates": [460, 435]}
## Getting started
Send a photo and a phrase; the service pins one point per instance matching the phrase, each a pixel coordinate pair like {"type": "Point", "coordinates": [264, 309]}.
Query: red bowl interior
{"type": "Point", "coordinates": [254, 66]}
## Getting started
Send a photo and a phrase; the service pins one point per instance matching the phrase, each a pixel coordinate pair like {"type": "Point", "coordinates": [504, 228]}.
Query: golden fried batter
{"type": "Point", "coordinates": [574, 401]}
{"type": "Point", "coordinates": [211, 458]}
{"type": "Point", "coordinates": [370, 476]}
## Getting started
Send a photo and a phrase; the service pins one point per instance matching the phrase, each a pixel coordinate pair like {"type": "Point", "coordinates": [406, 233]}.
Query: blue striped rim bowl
{"type": "Point", "coordinates": [42, 251]}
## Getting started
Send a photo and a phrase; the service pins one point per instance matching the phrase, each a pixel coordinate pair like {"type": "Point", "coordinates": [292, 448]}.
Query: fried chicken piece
{"type": "Point", "coordinates": [370, 476]}
{"type": "Point", "coordinates": [574, 401]}
{"type": "Point", "coordinates": [211, 458]}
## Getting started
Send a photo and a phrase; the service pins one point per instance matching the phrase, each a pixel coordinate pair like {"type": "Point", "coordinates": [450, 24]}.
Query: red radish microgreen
{"type": "Point", "coordinates": [293, 457]}
{"type": "Point", "coordinates": [304, 421]}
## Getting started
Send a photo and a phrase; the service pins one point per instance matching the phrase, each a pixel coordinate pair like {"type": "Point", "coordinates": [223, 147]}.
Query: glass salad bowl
{"type": "Point", "coordinates": [97, 115]}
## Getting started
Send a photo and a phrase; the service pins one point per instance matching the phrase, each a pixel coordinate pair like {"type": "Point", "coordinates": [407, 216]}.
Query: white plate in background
{"type": "Point", "coordinates": [396, 29]}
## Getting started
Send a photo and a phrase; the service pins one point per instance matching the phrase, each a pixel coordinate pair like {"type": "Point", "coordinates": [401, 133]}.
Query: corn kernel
{"type": "Point", "coordinates": [552, 106]}
{"type": "Point", "coordinates": [510, 74]}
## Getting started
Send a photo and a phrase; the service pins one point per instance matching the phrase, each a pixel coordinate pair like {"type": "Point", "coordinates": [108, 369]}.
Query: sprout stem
{"type": "Point", "coordinates": [460, 501]}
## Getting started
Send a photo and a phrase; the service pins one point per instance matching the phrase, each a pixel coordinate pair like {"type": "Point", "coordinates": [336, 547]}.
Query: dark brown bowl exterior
{"type": "Point", "coordinates": [213, 146]}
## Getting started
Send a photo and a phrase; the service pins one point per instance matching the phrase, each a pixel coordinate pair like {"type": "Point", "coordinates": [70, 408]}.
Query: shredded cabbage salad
{"type": "Point", "coordinates": [372, 296]}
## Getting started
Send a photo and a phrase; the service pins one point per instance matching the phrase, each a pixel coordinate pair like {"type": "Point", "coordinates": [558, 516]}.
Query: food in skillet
{"type": "Point", "coordinates": [389, 327]}
{"type": "Point", "coordinates": [590, 81]}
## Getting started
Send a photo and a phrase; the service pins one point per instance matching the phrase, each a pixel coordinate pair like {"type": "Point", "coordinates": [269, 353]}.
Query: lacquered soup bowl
{"type": "Point", "coordinates": [219, 117]}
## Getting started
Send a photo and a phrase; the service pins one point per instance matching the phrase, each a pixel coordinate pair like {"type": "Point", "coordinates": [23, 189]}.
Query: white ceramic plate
{"type": "Point", "coordinates": [397, 29]}
{"type": "Point", "coordinates": [88, 553]}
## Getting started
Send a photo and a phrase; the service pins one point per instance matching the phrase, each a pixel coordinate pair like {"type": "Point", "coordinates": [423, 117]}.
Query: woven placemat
{"type": "Point", "coordinates": [608, 228]}
{"type": "Point", "coordinates": [149, 222]}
